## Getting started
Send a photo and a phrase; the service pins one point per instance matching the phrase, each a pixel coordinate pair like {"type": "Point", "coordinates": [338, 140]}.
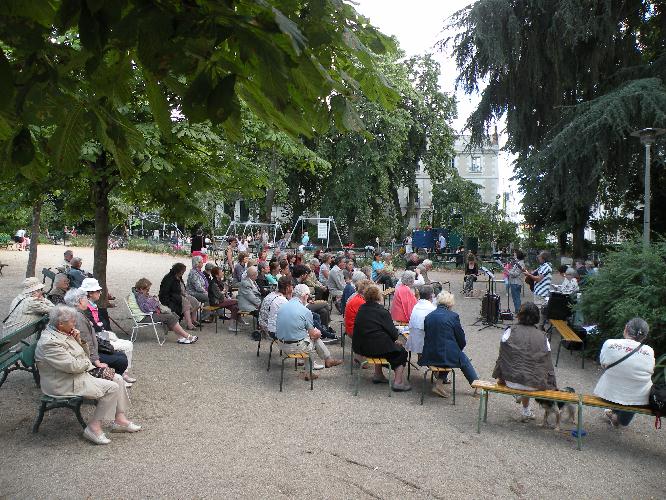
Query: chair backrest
{"type": "Point", "coordinates": [47, 273]}
{"type": "Point", "coordinates": [134, 309]}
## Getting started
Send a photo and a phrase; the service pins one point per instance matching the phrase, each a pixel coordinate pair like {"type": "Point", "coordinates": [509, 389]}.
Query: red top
{"type": "Point", "coordinates": [403, 303]}
{"type": "Point", "coordinates": [351, 309]}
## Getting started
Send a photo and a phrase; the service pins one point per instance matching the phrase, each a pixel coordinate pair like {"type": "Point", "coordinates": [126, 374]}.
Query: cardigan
{"type": "Point", "coordinates": [374, 332]}
{"type": "Point", "coordinates": [171, 293]}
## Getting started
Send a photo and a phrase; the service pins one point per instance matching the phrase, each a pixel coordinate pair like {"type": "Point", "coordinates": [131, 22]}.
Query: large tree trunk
{"type": "Point", "coordinates": [34, 237]}
{"type": "Point", "coordinates": [268, 205]}
{"type": "Point", "coordinates": [411, 202]}
{"type": "Point", "coordinates": [100, 197]}
{"type": "Point", "coordinates": [579, 240]}
{"type": "Point", "coordinates": [562, 242]}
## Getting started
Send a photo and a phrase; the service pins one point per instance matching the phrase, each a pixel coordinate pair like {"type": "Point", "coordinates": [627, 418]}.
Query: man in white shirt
{"type": "Point", "coordinates": [272, 303]}
{"type": "Point", "coordinates": [442, 243]}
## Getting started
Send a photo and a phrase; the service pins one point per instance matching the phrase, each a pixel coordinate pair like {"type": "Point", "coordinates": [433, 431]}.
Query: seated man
{"type": "Point", "coordinates": [249, 296]}
{"type": "Point", "coordinates": [295, 330]}
{"type": "Point", "coordinates": [412, 262]}
{"type": "Point", "coordinates": [320, 310]}
{"type": "Point", "coordinates": [336, 281]}
{"type": "Point", "coordinates": [64, 266]}
{"type": "Point", "coordinates": [423, 268]}
{"type": "Point", "coordinates": [60, 287]}
{"type": "Point", "coordinates": [75, 274]}
{"type": "Point", "coordinates": [272, 304]}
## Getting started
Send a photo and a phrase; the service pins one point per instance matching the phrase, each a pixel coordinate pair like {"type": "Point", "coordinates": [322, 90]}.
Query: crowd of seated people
{"type": "Point", "coordinates": [79, 330]}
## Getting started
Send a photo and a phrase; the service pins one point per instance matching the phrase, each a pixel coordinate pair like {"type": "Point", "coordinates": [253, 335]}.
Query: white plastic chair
{"type": "Point", "coordinates": [137, 318]}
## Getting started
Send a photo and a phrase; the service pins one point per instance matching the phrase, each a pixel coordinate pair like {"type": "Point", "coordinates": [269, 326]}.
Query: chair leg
{"type": "Point", "coordinates": [409, 365]}
{"type": "Point", "coordinates": [270, 353]}
{"type": "Point", "coordinates": [311, 380]}
{"type": "Point", "coordinates": [579, 427]}
{"type": "Point", "coordinates": [258, 344]}
{"type": "Point", "coordinates": [485, 407]}
{"type": "Point", "coordinates": [358, 377]}
{"type": "Point", "coordinates": [559, 346]}
{"type": "Point", "coordinates": [425, 380]}
{"type": "Point", "coordinates": [282, 373]}
{"type": "Point", "coordinates": [390, 384]}
{"type": "Point", "coordinates": [76, 408]}
{"type": "Point", "coordinates": [478, 420]}
{"type": "Point", "coordinates": [40, 417]}
{"type": "Point", "coordinates": [454, 386]}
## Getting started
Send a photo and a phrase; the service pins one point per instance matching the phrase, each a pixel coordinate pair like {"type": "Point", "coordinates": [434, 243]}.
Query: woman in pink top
{"type": "Point", "coordinates": [404, 299]}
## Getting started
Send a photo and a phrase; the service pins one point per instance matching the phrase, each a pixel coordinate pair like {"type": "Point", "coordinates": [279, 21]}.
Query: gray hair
{"type": "Point", "coordinates": [408, 278]}
{"type": "Point", "coordinates": [445, 298]}
{"type": "Point", "coordinates": [59, 277]}
{"type": "Point", "coordinates": [637, 329]}
{"type": "Point", "coordinates": [196, 259]}
{"type": "Point", "coordinates": [427, 262]}
{"type": "Point", "coordinates": [73, 297]}
{"type": "Point", "coordinates": [263, 264]}
{"type": "Point", "coordinates": [314, 262]}
{"type": "Point", "coordinates": [61, 314]}
{"type": "Point", "coordinates": [252, 270]}
{"type": "Point", "coordinates": [75, 260]}
{"type": "Point", "coordinates": [571, 272]}
{"type": "Point", "coordinates": [357, 277]}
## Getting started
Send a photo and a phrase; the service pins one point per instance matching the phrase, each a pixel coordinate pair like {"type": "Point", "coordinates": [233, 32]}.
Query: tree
{"type": "Point", "coordinates": [571, 78]}
{"type": "Point", "coordinates": [73, 66]}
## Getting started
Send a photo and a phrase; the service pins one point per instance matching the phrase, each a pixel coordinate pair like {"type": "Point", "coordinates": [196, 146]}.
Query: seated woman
{"type": "Point", "coordinates": [220, 295]}
{"type": "Point", "coordinates": [524, 361]}
{"type": "Point", "coordinates": [263, 283]}
{"type": "Point", "coordinates": [404, 299]}
{"type": "Point", "coordinates": [64, 365]}
{"type": "Point", "coordinates": [471, 274]}
{"type": "Point", "coordinates": [197, 284]}
{"type": "Point", "coordinates": [151, 304]}
{"type": "Point", "coordinates": [100, 322]}
{"type": "Point", "coordinates": [386, 275]}
{"type": "Point", "coordinates": [174, 295]}
{"type": "Point", "coordinates": [629, 381]}
{"type": "Point", "coordinates": [78, 299]}
{"type": "Point", "coordinates": [375, 336]}
{"type": "Point", "coordinates": [444, 342]}
{"type": "Point", "coordinates": [377, 266]}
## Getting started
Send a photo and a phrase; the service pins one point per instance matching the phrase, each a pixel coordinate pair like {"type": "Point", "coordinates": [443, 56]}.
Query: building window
{"type": "Point", "coordinates": [475, 165]}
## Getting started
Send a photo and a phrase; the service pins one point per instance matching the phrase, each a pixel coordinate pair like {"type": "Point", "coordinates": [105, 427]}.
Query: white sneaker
{"type": "Point", "coordinates": [527, 415]}
{"type": "Point", "coordinates": [317, 366]}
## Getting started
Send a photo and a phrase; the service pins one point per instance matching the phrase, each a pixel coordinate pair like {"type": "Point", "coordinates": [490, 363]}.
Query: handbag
{"type": "Point", "coordinates": [104, 346]}
{"type": "Point", "coordinates": [105, 373]}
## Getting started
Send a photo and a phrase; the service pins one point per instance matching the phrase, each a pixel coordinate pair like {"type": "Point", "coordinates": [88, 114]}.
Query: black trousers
{"type": "Point", "coordinates": [117, 361]}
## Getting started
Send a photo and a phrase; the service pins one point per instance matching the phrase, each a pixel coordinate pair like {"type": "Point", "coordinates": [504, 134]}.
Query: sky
{"type": "Point", "coordinates": [418, 25]}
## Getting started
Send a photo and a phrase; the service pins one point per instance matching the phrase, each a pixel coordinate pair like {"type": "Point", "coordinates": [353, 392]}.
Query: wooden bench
{"type": "Point", "coordinates": [48, 403]}
{"type": "Point", "coordinates": [566, 333]}
{"type": "Point", "coordinates": [372, 362]}
{"type": "Point", "coordinates": [296, 356]}
{"type": "Point", "coordinates": [48, 274]}
{"type": "Point", "coordinates": [17, 351]}
{"type": "Point", "coordinates": [579, 400]}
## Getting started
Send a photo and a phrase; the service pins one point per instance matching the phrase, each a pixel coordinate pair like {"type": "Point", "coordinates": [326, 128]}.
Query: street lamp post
{"type": "Point", "coordinates": [647, 137]}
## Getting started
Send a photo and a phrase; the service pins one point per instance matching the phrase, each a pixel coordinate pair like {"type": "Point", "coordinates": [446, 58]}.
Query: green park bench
{"type": "Point", "coordinates": [18, 353]}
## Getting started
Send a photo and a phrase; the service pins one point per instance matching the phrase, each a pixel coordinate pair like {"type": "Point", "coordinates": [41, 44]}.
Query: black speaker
{"type": "Point", "coordinates": [492, 302]}
{"type": "Point", "coordinates": [559, 306]}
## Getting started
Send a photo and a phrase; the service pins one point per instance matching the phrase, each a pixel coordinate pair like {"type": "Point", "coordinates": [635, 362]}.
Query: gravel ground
{"type": "Point", "coordinates": [215, 425]}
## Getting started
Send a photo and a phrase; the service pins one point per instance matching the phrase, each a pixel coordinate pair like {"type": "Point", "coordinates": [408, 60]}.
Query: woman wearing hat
{"type": "Point", "coordinates": [29, 306]}
{"type": "Point", "coordinates": [101, 324]}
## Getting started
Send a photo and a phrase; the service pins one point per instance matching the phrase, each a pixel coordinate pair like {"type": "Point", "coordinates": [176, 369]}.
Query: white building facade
{"type": "Point", "coordinates": [479, 165]}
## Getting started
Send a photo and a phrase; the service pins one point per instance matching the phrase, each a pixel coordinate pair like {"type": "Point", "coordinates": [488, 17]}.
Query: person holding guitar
{"type": "Point", "coordinates": [541, 278]}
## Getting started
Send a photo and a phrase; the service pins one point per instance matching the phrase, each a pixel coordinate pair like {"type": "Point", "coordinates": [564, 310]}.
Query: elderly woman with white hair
{"type": "Point", "coordinates": [629, 364]}
{"type": "Point", "coordinates": [64, 365]}
{"type": "Point", "coordinates": [249, 295]}
{"type": "Point", "coordinates": [444, 342]}
{"type": "Point", "coordinates": [404, 299]}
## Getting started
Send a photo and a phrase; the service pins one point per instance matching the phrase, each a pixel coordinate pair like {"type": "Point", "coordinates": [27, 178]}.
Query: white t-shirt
{"type": "Point", "coordinates": [416, 330]}
{"type": "Point", "coordinates": [629, 382]}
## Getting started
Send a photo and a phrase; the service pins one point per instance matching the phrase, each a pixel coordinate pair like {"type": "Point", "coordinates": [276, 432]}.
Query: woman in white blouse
{"type": "Point", "coordinates": [628, 382]}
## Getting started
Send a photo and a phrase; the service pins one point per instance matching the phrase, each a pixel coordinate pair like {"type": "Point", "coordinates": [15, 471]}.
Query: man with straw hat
{"type": "Point", "coordinates": [29, 306]}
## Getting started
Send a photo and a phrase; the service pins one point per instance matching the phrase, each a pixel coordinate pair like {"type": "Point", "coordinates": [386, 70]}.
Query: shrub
{"type": "Point", "coordinates": [4, 238]}
{"type": "Point", "coordinates": [80, 240]}
{"type": "Point", "coordinates": [631, 283]}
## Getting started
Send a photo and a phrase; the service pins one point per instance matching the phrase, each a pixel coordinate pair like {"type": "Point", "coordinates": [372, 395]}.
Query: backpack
{"type": "Point", "coordinates": [657, 402]}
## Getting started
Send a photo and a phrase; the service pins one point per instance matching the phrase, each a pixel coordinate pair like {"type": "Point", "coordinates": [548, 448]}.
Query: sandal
{"type": "Point", "coordinates": [191, 339]}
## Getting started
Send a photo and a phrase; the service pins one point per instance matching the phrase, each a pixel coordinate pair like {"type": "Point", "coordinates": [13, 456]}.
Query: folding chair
{"type": "Point", "coordinates": [137, 318]}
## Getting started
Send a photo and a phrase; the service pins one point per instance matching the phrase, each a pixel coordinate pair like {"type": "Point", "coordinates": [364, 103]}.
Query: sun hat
{"type": "Point", "coordinates": [90, 285]}
{"type": "Point", "coordinates": [32, 285]}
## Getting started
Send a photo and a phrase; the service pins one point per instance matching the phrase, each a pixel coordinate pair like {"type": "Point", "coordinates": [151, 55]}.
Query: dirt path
{"type": "Point", "coordinates": [215, 425]}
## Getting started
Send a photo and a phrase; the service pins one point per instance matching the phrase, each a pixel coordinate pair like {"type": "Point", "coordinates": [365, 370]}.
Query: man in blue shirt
{"type": "Point", "coordinates": [295, 330]}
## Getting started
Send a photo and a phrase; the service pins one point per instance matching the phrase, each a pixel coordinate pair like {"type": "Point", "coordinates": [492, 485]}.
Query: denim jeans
{"type": "Point", "coordinates": [515, 296]}
{"type": "Point", "coordinates": [466, 368]}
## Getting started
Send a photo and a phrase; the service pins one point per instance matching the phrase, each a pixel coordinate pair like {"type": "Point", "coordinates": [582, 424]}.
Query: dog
{"type": "Point", "coordinates": [557, 408]}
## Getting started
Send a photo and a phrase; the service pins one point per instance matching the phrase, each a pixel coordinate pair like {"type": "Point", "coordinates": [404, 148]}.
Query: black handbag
{"type": "Point", "coordinates": [104, 347]}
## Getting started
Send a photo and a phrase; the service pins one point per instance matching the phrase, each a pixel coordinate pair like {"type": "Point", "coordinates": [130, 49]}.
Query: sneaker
{"type": "Point", "coordinates": [439, 390]}
{"type": "Point", "coordinates": [95, 438]}
{"type": "Point", "coordinates": [189, 340]}
{"type": "Point", "coordinates": [612, 418]}
{"type": "Point", "coordinates": [129, 379]}
{"type": "Point", "coordinates": [329, 340]}
{"type": "Point", "coordinates": [318, 366]}
{"type": "Point", "coordinates": [527, 415]}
